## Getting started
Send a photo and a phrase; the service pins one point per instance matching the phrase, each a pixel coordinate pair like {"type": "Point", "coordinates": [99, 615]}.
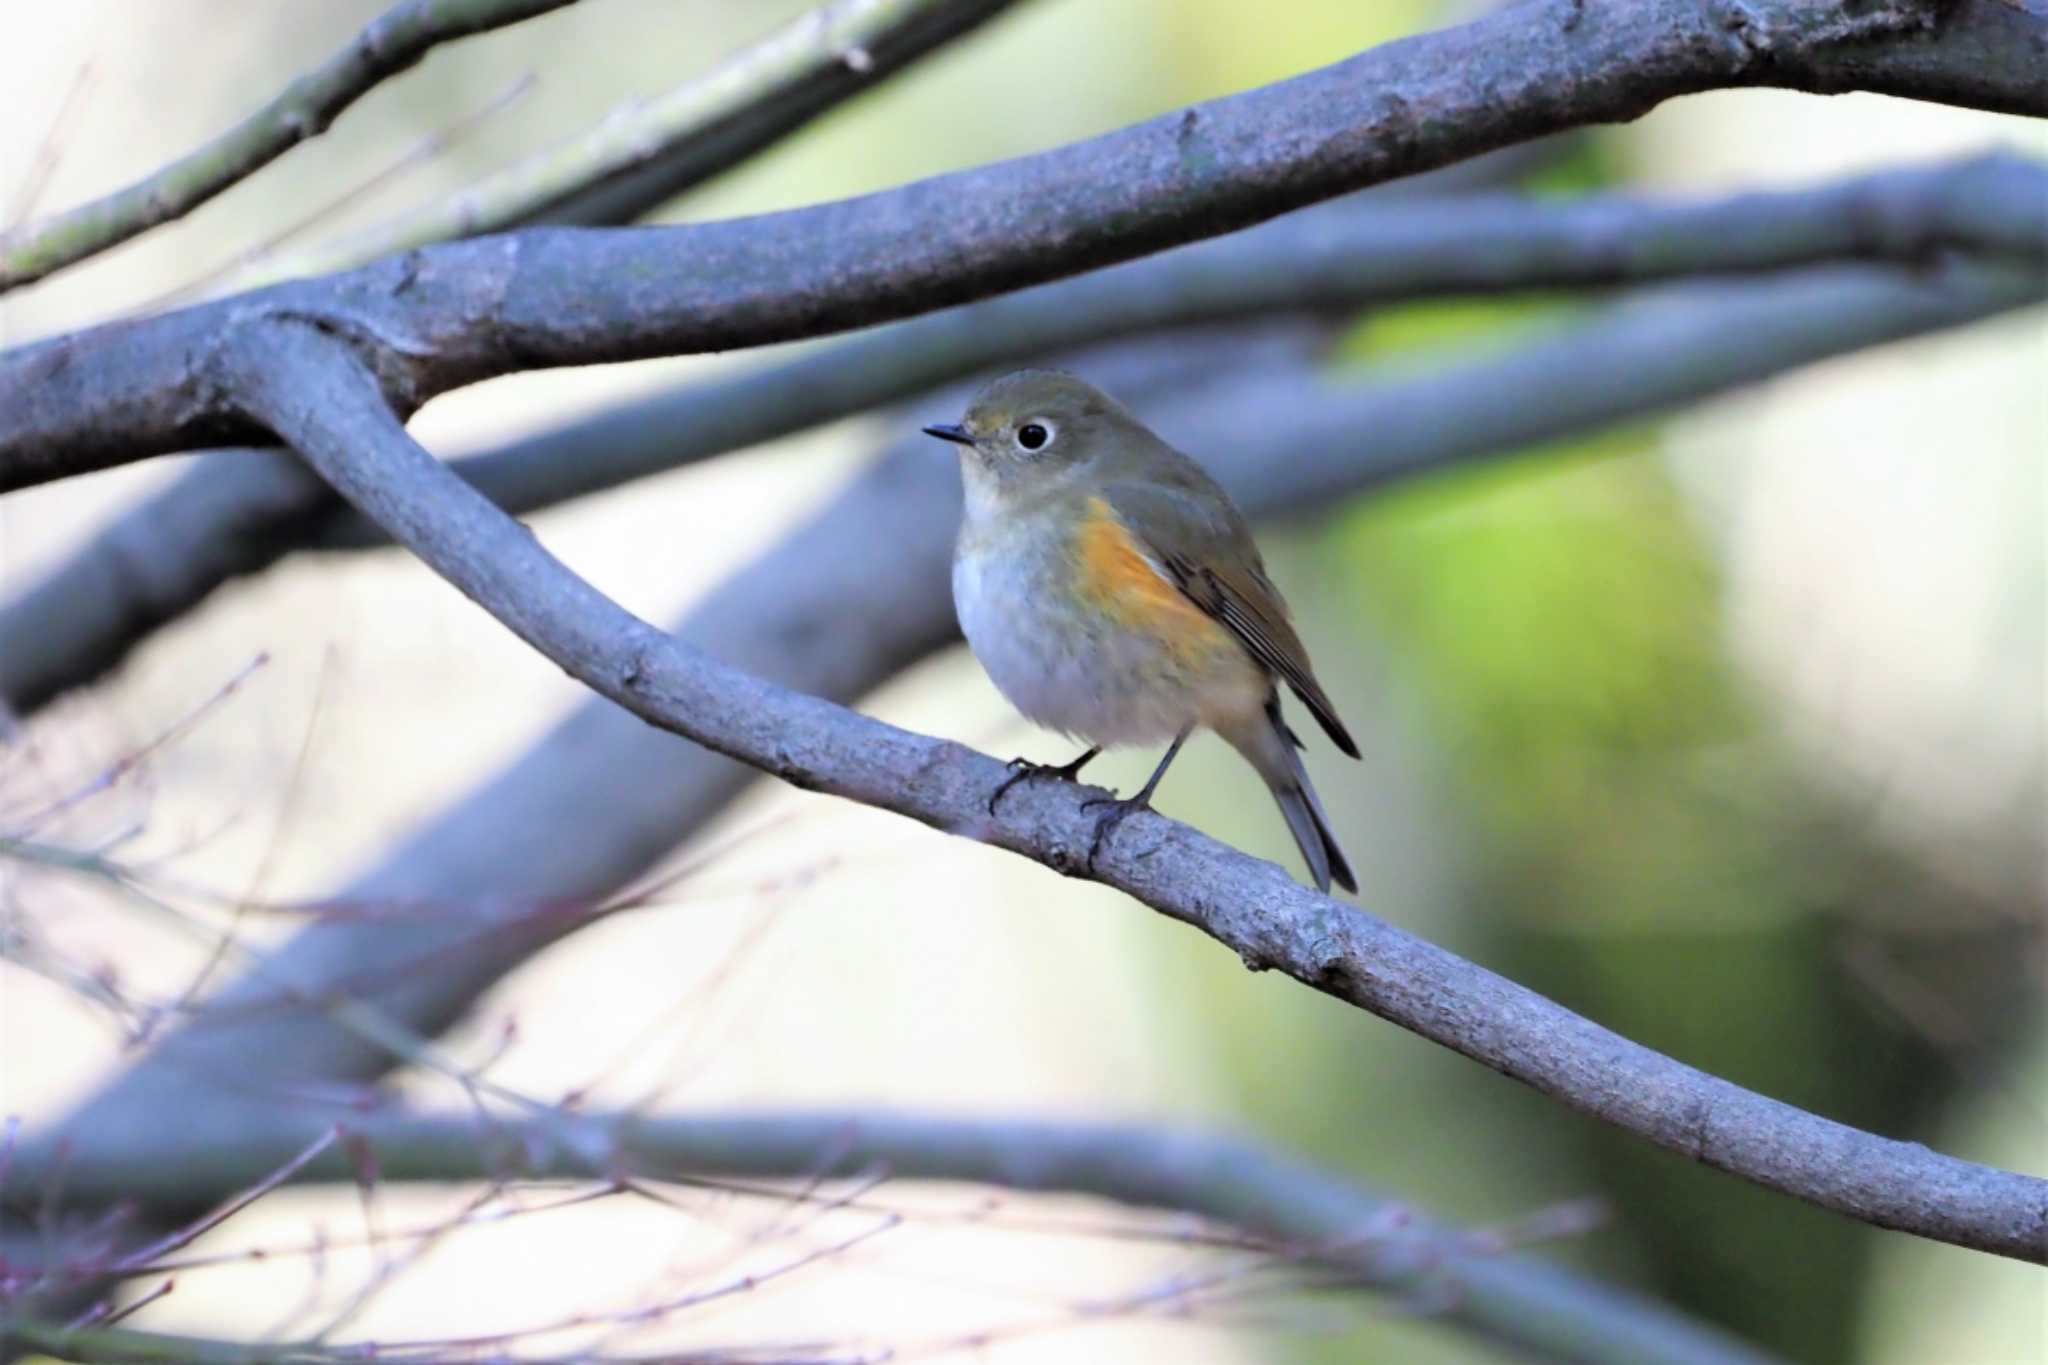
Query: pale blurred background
{"type": "Point", "coordinates": [1726, 729]}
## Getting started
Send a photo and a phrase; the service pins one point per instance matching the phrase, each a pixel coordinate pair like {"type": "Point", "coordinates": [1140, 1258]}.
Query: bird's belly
{"type": "Point", "coordinates": [1070, 666]}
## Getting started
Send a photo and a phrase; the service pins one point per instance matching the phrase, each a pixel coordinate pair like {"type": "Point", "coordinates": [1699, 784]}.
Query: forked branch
{"type": "Point", "coordinates": [453, 314]}
{"type": "Point", "coordinates": [314, 393]}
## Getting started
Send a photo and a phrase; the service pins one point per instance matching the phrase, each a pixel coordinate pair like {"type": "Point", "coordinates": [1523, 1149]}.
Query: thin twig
{"type": "Point", "coordinates": [191, 1232]}
{"type": "Point", "coordinates": [647, 150]}
{"type": "Point", "coordinates": [304, 109]}
{"type": "Point", "coordinates": [423, 151]}
{"type": "Point", "coordinates": [50, 150]}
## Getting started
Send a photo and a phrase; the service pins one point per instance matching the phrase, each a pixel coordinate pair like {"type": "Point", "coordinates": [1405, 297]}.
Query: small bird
{"type": "Point", "coordinates": [1112, 591]}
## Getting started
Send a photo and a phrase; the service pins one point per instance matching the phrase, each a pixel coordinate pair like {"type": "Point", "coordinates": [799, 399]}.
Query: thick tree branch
{"type": "Point", "coordinates": [508, 871]}
{"type": "Point", "coordinates": [449, 315]}
{"type": "Point", "coordinates": [239, 512]}
{"type": "Point", "coordinates": [1977, 56]}
{"type": "Point", "coordinates": [312, 391]}
{"type": "Point", "coordinates": [395, 41]}
{"type": "Point", "coordinates": [1309, 1213]}
{"type": "Point", "coordinates": [1329, 259]}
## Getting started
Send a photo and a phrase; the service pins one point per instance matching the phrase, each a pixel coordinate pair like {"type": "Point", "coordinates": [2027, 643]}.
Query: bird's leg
{"type": "Point", "coordinates": [1022, 768]}
{"type": "Point", "coordinates": [1119, 811]}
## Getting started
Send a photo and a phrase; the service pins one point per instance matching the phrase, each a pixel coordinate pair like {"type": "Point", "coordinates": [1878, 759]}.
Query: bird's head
{"type": "Point", "coordinates": [1033, 431]}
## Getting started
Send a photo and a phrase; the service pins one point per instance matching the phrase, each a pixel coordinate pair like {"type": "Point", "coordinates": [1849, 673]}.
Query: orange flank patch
{"type": "Point", "coordinates": [1113, 574]}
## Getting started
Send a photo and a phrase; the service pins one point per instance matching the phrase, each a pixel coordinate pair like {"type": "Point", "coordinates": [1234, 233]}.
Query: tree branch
{"type": "Point", "coordinates": [91, 1345]}
{"type": "Point", "coordinates": [646, 152]}
{"type": "Point", "coordinates": [1975, 56]}
{"type": "Point", "coordinates": [449, 315]}
{"type": "Point", "coordinates": [523, 892]}
{"type": "Point", "coordinates": [396, 40]}
{"type": "Point", "coordinates": [312, 391]}
{"type": "Point", "coordinates": [239, 512]}
{"type": "Point", "coordinates": [1325, 260]}
{"type": "Point", "coordinates": [1311, 1213]}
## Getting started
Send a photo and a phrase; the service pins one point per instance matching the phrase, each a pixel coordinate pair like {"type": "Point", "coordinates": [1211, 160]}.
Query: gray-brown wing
{"type": "Point", "coordinates": [1202, 541]}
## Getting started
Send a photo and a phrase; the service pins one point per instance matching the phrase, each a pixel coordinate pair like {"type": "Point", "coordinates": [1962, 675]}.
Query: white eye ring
{"type": "Point", "coordinates": [1035, 435]}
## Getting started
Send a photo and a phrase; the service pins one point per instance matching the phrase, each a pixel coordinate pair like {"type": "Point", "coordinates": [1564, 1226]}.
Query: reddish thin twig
{"type": "Point", "coordinates": [192, 1231]}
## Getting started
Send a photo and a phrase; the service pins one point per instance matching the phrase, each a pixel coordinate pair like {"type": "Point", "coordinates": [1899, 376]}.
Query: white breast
{"type": "Point", "coordinates": [1023, 656]}
{"type": "Point", "coordinates": [1064, 667]}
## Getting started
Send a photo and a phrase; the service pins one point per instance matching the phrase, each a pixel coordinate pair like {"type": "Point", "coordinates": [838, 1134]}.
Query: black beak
{"type": "Point", "coordinates": [950, 431]}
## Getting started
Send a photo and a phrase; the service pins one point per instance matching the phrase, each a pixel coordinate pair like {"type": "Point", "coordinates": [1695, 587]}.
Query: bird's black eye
{"type": "Point", "coordinates": [1033, 435]}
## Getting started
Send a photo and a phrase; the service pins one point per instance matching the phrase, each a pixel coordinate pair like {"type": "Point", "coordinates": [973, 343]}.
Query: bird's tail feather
{"type": "Point", "coordinates": [1272, 748]}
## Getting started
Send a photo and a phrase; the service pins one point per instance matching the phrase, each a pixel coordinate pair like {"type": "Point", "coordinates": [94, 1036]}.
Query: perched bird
{"type": "Point", "coordinates": [1112, 591]}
